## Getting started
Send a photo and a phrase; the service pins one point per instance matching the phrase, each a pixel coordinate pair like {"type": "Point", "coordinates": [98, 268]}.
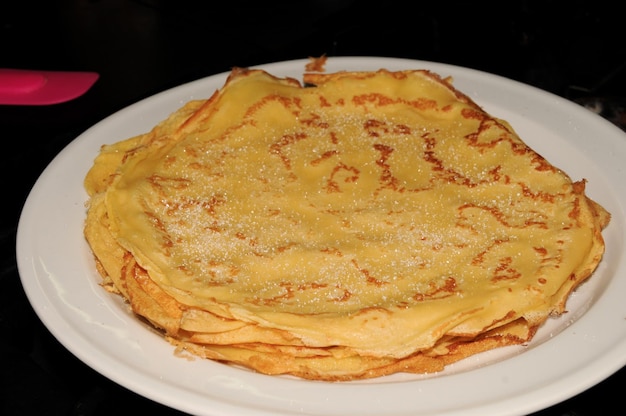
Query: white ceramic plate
{"type": "Point", "coordinates": [568, 355]}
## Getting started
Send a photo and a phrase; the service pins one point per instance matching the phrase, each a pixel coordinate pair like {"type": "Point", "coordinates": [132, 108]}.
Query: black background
{"type": "Point", "coordinates": [574, 49]}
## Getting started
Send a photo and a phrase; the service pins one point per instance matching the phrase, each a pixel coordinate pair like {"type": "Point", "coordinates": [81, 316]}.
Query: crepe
{"type": "Point", "coordinates": [353, 225]}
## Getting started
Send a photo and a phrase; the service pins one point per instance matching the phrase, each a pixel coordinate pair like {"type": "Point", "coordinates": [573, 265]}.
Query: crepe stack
{"type": "Point", "coordinates": [354, 225]}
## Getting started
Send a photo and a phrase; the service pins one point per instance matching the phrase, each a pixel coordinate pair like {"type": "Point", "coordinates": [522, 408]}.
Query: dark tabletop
{"type": "Point", "coordinates": [574, 49]}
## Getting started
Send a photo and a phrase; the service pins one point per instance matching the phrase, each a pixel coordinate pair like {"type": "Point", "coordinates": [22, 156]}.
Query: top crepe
{"type": "Point", "coordinates": [363, 224]}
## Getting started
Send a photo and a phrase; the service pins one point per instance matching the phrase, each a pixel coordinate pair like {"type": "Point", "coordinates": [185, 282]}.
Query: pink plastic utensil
{"type": "Point", "coordinates": [29, 87]}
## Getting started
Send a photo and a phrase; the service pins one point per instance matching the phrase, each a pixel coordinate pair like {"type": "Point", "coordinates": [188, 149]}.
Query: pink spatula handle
{"type": "Point", "coordinates": [26, 87]}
